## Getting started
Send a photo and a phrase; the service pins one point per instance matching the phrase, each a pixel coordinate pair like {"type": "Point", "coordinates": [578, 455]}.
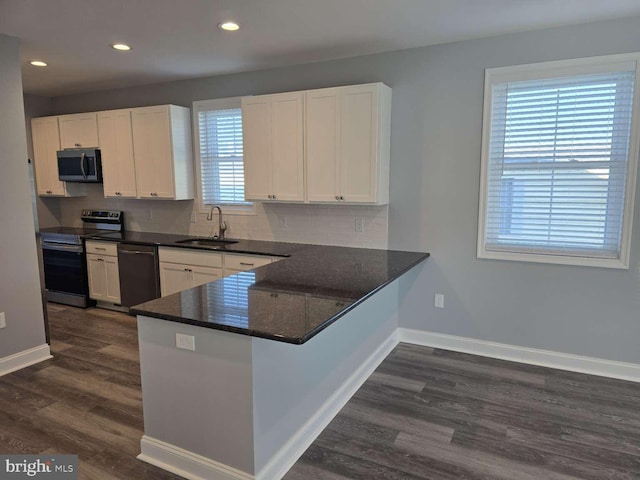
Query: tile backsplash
{"type": "Point", "coordinates": [319, 224]}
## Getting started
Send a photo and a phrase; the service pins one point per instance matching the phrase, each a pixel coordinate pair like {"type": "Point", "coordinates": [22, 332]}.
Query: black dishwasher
{"type": "Point", "coordinates": [139, 273]}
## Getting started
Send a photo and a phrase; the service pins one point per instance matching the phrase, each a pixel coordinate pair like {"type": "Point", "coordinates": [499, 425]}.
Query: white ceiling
{"type": "Point", "coordinates": [175, 39]}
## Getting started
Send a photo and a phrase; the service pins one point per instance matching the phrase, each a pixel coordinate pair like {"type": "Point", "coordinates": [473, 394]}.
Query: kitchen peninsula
{"type": "Point", "coordinates": [275, 353]}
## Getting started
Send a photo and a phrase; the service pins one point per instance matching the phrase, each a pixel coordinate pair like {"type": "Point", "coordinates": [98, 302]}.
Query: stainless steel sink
{"type": "Point", "coordinates": [207, 242]}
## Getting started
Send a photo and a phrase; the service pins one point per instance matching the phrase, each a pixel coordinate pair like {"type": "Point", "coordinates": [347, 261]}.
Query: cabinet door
{"type": "Point", "coordinates": [80, 130]}
{"type": "Point", "coordinates": [152, 150]}
{"type": "Point", "coordinates": [256, 139]}
{"type": "Point", "coordinates": [358, 143]}
{"type": "Point", "coordinates": [287, 162]}
{"type": "Point", "coordinates": [202, 275]}
{"type": "Point", "coordinates": [322, 142]}
{"type": "Point", "coordinates": [116, 144]}
{"type": "Point", "coordinates": [112, 280]}
{"type": "Point", "coordinates": [46, 143]}
{"type": "Point", "coordinates": [174, 277]}
{"type": "Point", "coordinates": [97, 273]}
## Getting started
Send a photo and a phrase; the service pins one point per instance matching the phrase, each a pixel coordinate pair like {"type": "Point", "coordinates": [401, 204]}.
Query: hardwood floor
{"type": "Point", "coordinates": [433, 414]}
{"type": "Point", "coordinates": [424, 414]}
{"type": "Point", "coordinates": [85, 401]}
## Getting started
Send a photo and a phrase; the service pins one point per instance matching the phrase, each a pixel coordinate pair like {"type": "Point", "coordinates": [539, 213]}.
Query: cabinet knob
{"type": "Point", "coordinates": [341, 197]}
{"type": "Point", "coordinates": [154, 194]}
{"type": "Point", "coordinates": [269, 196]}
{"type": "Point", "coordinates": [49, 191]}
{"type": "Point", "coordinates": [118, 193]}
{"type": "Point", "coordinates": [77, 144]}
{"type": "Point", "coordinates": [273, 196]}
{"type": "Point", "coordinates": [337, 197]}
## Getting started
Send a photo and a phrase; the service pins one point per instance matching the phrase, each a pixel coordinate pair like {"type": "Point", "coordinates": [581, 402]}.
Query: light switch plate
{"type": "Point", "coordinates": [438, 300]}
{"type": "Point", "coordinates": [359, 224]}
{"type": "Point", "coordinates": [3, 320]}
{"type": "Point", "coordinates": [186, 342]}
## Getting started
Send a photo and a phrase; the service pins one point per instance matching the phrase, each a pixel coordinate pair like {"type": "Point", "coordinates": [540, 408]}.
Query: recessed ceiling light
{"type": "Point", "coordinates": [229, 26]}
{"type": "Point", "coordinates": [38, 63]}
{"type": "Point", "coordinates": [121, 46]}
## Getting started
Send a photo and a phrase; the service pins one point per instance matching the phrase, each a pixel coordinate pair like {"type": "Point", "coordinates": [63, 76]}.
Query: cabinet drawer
{"type": "Point", "coordinates": [190, 257]}
{"type": "Point", "coordinates": [244, 262]}
{"type": "Point", "coordinates": [102, 248]}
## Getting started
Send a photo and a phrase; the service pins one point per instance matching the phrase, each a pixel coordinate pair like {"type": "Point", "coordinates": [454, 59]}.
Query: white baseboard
{"type": "Point", "coordinates": [185, 463]}
{"type": "Point", "coordinates": [291, 451]}
{"type": "Point", "coordinates": [533, 356]}
{"type": "Point", "coordinates": [23, 359]}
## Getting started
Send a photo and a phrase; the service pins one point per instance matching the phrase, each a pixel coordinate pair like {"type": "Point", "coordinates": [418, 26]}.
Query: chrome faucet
{"type": "Point", "coordinates": [222, 225]}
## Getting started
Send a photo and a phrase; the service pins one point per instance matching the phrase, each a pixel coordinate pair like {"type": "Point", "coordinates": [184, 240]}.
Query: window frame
{"type": "Point", "coordinates": [208, 105]}
{"type": "Point", "coordinates": [555, 69]}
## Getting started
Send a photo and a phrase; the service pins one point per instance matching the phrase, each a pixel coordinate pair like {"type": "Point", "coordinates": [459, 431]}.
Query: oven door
{"type": "Point", "coordinates": [64, 268]}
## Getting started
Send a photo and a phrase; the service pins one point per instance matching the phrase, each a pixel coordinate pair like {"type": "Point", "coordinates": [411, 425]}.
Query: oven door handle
{"type": "Point", "coordinates": [62, 248]}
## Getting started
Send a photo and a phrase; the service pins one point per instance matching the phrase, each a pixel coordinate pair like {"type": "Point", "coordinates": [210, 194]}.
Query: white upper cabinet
{"type": "Point", "coordinates": [116, 145]}
{"type": "Point", "coordinates": [347, 142]}
{"type": "Point", "coordinates": [79, 131]}
{"type": "Point", "coordinates": [162, 152]}
{"type": "Point", "coordinates": [273, 147]}
{"type": "Point", "coordinates": [46, 143]}
{"type": "Point", "coordinates": [322, 144]}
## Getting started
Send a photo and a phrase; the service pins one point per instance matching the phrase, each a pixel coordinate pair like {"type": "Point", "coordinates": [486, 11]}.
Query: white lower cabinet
{"type": "Point", "coordinates": [102, 270]}
{"type": "Point", "coordinates": [241, 263]}
{"type": "Point", "coordinates": [181, 269]}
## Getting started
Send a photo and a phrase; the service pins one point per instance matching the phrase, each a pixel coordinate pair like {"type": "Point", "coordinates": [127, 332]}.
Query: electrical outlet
{"type": "Point", "coordinates": [438, 300]}
{"type": "Point", "coordinates": [359, 224]}
{"type": "Point", "coordinates": [3, 320]}
{"type": "Point", "coordinates": [282, 221]}
{"type": "Point", "coordinates": [194, 217]}
{"type": "Point", "coordinates": [186, 342]}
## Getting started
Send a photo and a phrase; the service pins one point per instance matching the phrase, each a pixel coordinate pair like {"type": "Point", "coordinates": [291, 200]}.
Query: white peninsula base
{"type": "Point", "coordinates": [241, 407]}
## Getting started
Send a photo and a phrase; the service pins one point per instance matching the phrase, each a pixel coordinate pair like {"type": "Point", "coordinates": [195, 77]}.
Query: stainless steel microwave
{"type": "Point", "coordinates": [80, 165]}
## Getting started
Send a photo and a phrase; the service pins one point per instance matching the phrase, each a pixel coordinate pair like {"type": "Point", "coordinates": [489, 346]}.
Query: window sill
{"type": "Point", "coordinates": [615, 263]}
{"type": "Point", "coordinates": [232, 209]}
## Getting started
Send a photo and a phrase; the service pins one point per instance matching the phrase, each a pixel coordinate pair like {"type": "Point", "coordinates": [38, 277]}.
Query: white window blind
{"type": "Point", "coordinates": [221, 161]}
{"type": "Point", "coordinates": [557, 163]}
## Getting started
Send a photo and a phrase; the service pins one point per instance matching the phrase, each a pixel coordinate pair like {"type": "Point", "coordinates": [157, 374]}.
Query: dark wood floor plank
{"type": "Point", "coordinates": [424, 414]}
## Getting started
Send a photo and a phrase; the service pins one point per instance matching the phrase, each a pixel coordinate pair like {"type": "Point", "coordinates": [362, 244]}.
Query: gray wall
{"type": "Point", "coordinates": [435, 165]}
{"type": "Point", "coordinates": [19, 285]}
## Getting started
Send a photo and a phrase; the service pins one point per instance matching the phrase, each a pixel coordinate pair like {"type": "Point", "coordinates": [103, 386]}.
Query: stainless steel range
{"type": "Point", "coordinates": [65, 265]}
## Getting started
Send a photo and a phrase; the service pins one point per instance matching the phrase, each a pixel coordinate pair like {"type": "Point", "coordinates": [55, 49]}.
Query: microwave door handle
{"type": "Point", "coordinates": [84, 173]}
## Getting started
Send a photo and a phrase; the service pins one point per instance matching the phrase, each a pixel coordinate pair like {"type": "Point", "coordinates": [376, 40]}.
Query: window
{"type": "Point", "coordinates": [218, 138]}
{"type": "Point", "coordinates": [559, 162]}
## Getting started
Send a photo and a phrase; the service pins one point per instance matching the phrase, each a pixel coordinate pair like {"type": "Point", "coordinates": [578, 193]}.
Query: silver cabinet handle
{"type": "Point", "coordinates": [100, 248]}
{"type": "Point", "coordinates": [337, 197]}
{"type": "Point", "coordinates": [247, 264]}
{"type": "Point", "coordinates": [100, 259]}
{"type": "Point", "coordinates": [77, 144]}
{"type": "Point", "coordinates": [188, 270]}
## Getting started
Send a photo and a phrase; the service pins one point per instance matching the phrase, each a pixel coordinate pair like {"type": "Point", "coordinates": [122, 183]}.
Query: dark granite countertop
{"type": "Point", "coordinates": [291, 300]}
{"type": "Point", "coordinates": [254, 247]}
